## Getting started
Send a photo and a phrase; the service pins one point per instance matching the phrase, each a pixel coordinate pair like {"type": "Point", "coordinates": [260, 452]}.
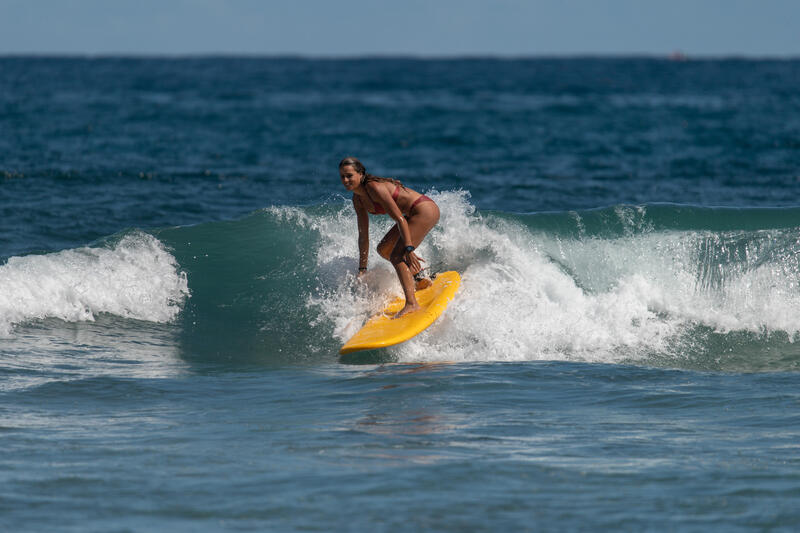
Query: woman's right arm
{"type": "Point", "coordinates": [363, 234]}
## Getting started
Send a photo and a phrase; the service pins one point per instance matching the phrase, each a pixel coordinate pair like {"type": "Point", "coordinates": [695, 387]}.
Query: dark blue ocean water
{"type": "Point", "coordinates": [176, 277]}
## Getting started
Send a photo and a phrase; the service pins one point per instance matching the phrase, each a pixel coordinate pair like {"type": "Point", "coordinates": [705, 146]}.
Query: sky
{"type": "Point", "coordinates": [435, 28]}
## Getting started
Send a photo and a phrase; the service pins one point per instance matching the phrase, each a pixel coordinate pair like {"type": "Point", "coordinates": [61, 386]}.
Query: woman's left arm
{"type": "Point", "coordinates": [393, 210]}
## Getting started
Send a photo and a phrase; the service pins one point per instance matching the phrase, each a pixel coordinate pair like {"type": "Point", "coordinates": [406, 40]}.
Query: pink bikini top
{"type": "Point", "coordinates": [379, 210]}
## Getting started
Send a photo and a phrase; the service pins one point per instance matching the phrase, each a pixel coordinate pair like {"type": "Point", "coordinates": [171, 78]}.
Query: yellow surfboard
{"type": "Point", "coordinates": [382, 330]}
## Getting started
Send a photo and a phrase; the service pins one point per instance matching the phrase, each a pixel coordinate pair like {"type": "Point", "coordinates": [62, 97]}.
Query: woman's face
{"type": "Point", "coordinates": [350, 178]}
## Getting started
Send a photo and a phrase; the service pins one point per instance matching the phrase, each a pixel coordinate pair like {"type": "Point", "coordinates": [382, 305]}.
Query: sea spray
{"type": "Point", "coordinates": [622, 291]}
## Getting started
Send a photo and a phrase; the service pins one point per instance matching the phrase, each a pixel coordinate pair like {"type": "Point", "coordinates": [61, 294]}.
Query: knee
{"type": "Point", "coordinates": [384, 250]}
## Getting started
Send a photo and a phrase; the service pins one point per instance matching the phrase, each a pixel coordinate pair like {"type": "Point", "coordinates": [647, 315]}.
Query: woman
{"type": "Point", "coordinates": [414, 213]}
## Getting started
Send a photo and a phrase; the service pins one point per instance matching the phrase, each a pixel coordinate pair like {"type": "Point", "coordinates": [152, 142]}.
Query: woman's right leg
{"type": "Point", "coordinates": [420, 223]}
{"type": "Point", "coordinates": [386, 245]}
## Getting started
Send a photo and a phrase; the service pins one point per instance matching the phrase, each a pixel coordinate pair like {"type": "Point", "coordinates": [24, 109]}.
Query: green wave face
{"type": "Point", "coordinates": [248, 279]}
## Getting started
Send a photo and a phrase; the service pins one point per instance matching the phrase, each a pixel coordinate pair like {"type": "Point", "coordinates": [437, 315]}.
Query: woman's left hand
{"type": "Point", "coordinates": [413, 262]}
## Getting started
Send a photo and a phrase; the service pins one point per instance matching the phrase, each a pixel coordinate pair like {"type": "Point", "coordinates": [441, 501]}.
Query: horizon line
{"type": "Point", "coordinates": [676, 56]}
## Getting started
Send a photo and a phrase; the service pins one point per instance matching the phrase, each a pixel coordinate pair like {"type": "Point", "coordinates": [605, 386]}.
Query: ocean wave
{"type": "Point", "coordinates": [652, 284]}
{"type": "Point", "coordinates": [134, 277]}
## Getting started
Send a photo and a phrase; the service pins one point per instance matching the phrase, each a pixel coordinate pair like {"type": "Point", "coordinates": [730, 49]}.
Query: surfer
{"type": "Point", "coordinates": [414, 213]}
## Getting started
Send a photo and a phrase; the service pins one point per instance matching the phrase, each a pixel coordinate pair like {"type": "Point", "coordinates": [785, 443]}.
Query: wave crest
{"type": "Point", "coordinates": [134, 278]}
{"type": "Point", "coordinates": [531, 293]}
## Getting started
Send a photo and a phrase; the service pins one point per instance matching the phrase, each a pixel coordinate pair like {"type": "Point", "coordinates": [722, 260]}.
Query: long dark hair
{"type": "Point", "coordinates": [359, 167]}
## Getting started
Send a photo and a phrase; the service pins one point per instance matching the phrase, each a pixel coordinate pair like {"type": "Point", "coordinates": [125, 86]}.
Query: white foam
{"type": "Point", "coordinates": [136, 278]}
{"type": "Point", "coordinates": [528, 296]}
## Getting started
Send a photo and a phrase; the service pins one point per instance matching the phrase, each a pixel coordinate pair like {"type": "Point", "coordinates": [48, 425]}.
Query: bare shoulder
{"type": "Point", "coordinates": [374, 185]}
{"type": "Point", "coordinates": [380, 189]}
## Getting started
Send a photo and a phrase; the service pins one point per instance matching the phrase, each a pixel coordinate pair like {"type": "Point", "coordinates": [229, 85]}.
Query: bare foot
{"type": "Point", "coordinates": [407, 309]}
